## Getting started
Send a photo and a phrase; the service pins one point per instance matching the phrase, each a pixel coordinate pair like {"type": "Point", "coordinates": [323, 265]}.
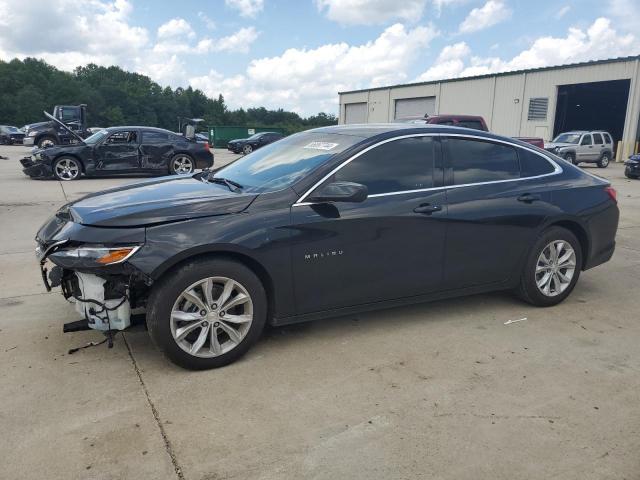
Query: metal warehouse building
{"type": "Point", "coordinates": [541, 102]}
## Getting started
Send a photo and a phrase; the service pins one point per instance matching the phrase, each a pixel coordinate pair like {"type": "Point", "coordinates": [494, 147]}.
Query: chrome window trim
{"type": "Point", "coordinates": [557, 169]}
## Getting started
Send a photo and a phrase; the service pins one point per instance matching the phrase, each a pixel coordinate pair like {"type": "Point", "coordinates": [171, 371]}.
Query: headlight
{"type": "Point", "coordinates": [93, 256]}
{"type": "Point", "coordinates": [31, 134]}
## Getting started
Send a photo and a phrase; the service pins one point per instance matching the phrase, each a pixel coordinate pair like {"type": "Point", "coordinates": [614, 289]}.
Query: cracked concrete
{"type": "Point", "coordinates": [443, 390]}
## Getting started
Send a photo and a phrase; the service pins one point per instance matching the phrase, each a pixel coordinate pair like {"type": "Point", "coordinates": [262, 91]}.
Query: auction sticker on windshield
{"type": "Point", "coordinates": [321, 145]}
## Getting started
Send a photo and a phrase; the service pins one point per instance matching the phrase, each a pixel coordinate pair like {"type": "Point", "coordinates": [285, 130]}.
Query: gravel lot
{"type": "Point", "coordinates": [443, 390]}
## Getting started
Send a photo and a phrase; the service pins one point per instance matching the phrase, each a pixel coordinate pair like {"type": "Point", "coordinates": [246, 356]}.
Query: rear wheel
{"type": "Point", "coordinates": [46, 142]}
{"type": "Point", "coordinates": [67, 169]}
{"type": "Point", "coordinates": [552, 268]}
{"type": "Point", "coordinates": [604, 160]}
{"type": "Point", "coordinates": [207, 313]}
{"type": "Point", "coordinates": [181, 164]}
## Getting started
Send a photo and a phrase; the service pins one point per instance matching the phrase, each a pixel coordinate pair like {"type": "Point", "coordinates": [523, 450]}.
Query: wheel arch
{"type": "Point", "coordinates": [580, 233]}
{"type": "Point", "coordinates": [75, 157]}
{"type": "Point", "coordinates": [231, 254]}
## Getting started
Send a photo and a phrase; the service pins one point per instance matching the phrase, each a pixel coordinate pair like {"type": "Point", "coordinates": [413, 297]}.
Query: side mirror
{"type": "Point", "coordinates": [340, 192]}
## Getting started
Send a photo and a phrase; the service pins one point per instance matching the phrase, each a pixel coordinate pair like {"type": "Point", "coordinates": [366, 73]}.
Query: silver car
{"type": "Point", "coordinates": [582, 146]}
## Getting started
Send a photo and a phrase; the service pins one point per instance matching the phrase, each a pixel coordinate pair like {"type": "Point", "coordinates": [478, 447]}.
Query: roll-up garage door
{"type": "Point", "coordinates": [409, 107]}
{"type": "Point", "coordinates": [355, 112]}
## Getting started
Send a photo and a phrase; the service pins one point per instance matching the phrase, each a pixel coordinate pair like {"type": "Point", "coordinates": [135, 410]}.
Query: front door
{"type": "Point", "coordinates": [118, 153]}
{"type": "Point", "coordinates": [390, 246]}
{"type": "Point", "coordinates": [586, 152]}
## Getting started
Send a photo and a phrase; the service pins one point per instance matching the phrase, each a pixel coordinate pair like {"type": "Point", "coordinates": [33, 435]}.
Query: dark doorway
{"type": "Point", "coordinates": [592, 106]}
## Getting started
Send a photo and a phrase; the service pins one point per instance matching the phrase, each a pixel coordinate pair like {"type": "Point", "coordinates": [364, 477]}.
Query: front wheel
{"type": "Point", "coordinates": [604, 160]}
{"type": "Point", "coordinates": [181, 164]}
{"type": "Point", "coordinates": [67, 169]}
{"type": "Point", "coordinates": [207, 313]}
{"type": "Point", "coordinates": [247, 149]}
{"type": "Point", "coordinates": [47, 142]}
{"type": "Point", "coordinates": [552, 268]}
{"type": "Point", "coordinates": [571, 158]}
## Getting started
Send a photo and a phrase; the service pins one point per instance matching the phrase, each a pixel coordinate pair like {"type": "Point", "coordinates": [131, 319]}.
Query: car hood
{"type": "Point", "coordinates": [550, 145]}
{"type": "Point", "coordinates": [56, 150]}
{"type": "Point", "coordinates": [158, 201]}
{"type": "Point", "coordinates": [237, 140]}
{"type": "Point", "coordinates": [37, 125]}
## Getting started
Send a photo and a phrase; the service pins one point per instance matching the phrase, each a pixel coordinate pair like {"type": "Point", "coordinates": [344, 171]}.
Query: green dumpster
{"type": "Point", "coordinates": [220, 135]}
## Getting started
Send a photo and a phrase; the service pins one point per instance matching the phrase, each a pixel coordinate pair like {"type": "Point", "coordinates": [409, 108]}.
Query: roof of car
{"type": "Point", "coordinates": [138, 127]}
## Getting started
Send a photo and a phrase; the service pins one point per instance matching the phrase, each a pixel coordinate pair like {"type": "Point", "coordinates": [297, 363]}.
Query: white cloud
{"type": "Point", "coordinates": [246, 8]}
{"type": "Point", "coordinates": [599, 41]}
{"type": "Point", "coordinates": [238, 42]}
{"type": "Point", "coordinates": [371, 12]}
{"type": "Point", "coordinates": [491, 13]}
{"type": "Point", "coordinates": [208, 22]}
{"type": "Point", "coordinates": [176, 27]}
{"type": "Point", "coordinates": [562, 12]}
{"type": "Point", "coordinates": [626, 13]}
{"type": "Point", "coordinates": [308, 79]}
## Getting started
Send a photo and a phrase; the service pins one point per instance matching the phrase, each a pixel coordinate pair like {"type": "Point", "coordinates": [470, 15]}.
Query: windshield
{"type": "Point", "coordinates": [567, 138]}
{"type": "Point", "coordinates": [96, 137]}
{"type": "Point", "coordinates": [255, 136]}
{"type": "Point", "coordinates": [286, 161]}
{"type": "Point", "coordinates": [12, 129]}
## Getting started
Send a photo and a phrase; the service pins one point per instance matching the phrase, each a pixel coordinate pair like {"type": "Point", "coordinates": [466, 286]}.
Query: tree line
{"type": "Point", "coordinates": [117, 97]}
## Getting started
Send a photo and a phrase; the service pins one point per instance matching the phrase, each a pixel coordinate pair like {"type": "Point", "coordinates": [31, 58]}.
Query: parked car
{"type": "Point", "coordinates": [119, 150]}
{"type": "Point", "coordinates": [248, 145]}
{"type": "Point", "coordinates": [582, 146]}
{"type": "Point", "coordinates": [632, 166]}
{"type": "Point", "coordinates": [475, 122]}
{"type": "Point", "coordinates": [328, 222]}
{"type": "Point", "coordinates": [10, 135]}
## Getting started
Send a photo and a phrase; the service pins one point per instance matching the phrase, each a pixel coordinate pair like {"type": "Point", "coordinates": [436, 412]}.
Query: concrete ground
{"type": "Point", "coordinates": [444, 390]}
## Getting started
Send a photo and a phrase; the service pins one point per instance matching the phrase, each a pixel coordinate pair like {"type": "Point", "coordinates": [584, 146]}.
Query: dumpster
{"type": "Point", "coordinates": [220, 135]}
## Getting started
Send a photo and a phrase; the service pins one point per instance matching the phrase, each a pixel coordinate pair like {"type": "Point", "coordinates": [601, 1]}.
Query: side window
{"type": "Point", "coordinates": [597, 139]}
{"type": "Point", "coordinates": [475, 161]}
{"type": "Point", "coordinates": [586, 139]}
{"type": "Point", "coordinates": [533, 164]}
{"type": "Point", "coordinates": [149, 136]}
{"type": "Point", "coordinates": [120, 138]}
{"type": "Point", "coordinates": [394, 166]}
{"type": "Point", "coordinates": [607, 138]}
{"type": "Point", "coordinates": [475, 124]}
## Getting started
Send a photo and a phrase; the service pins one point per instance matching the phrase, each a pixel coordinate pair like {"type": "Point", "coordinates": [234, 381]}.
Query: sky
{"type": "Point", "coordinates": [298, 54]}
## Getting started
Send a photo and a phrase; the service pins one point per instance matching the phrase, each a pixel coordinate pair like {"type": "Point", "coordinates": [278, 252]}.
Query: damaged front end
{"type": "Point", "coordinates": [97, 278]}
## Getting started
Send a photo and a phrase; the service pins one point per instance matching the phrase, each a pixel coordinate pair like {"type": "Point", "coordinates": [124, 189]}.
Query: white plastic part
{"type": "Point", "coordinates": [92, 287]}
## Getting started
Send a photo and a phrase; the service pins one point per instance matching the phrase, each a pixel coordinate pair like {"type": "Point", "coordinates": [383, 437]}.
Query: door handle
{"type": "Point", "coordinates": [528, 198]}
{"type": "Point", "coordinates": [427, 208]}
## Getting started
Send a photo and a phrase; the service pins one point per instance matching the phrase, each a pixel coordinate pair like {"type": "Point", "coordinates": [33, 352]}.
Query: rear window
{"type": "Point", "coordinates": [533, 164]}
{"type": "Point", "coordinates": [149, 136]}
{"type": "Point", "coordinates": [476, 161]}
{"type": "Point", "coordinates": [475, 124]}
{"type": "Point", "coordinates": [607, 138]}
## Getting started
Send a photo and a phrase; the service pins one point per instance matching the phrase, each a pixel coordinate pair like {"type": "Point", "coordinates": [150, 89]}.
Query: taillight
{"type": "Point", "coordinates": [206, 145]}
{"type": "Point", "coordinates": [612, 193]}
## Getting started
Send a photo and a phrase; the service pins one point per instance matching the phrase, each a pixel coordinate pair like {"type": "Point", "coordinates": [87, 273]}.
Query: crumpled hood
{"type": "Point", "coordinates": [550, 145]}
{"type": "Point", "coordinates": [157, 201]}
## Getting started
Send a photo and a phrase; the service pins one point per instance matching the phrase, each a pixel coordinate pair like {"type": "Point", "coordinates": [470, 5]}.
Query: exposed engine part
{"type": "Point", "coordinates": [104, 303]}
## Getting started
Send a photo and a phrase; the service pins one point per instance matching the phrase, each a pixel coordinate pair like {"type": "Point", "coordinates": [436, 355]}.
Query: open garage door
{"type": "Point", "coordinates": [592, 106]}
{"type": "Point", "coordinates": [410, 107]}
{"type": "Point", "coordinates": [355, 112]}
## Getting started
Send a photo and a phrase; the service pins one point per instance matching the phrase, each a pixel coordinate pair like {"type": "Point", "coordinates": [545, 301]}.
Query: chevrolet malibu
{"type": "Point", "coordinates": [324, 223]}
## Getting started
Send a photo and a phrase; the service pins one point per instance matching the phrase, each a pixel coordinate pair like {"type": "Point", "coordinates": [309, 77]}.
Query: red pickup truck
{"type": "Point", "coordinates": [467, 121]}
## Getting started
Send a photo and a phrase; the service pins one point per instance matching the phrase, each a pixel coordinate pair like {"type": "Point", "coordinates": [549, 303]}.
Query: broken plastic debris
{"type": "Point", "coordinates": [509, 322]}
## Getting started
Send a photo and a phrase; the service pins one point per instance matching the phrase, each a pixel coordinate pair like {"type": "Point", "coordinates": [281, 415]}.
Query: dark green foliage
{"type": "Point", "coordinates": [117, 97]}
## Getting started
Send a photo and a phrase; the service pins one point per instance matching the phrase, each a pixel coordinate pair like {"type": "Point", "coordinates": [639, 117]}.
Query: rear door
{"type": "Point", "coordinates": [156, 149]}
{"type": "Point", "coordinates": [493, 211]}
{"type": "Point", "coordinates": [389, 246]}
{"type": "Point", "coordinates": [119, 152]}
{"type": "Point", "coordinates": [598, 143]}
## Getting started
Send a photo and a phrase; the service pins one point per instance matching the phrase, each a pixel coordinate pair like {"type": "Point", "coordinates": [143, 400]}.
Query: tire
{"type": "Point", "coordinates": [571, 158]}
{"type": "Point", "coordinates": [604, 160]}
{"type": "Point", "coordinates": [528, 288]}
{"type": "Point", "coordinates": [67, 169]}
{"type": "Point", "coordinates": [632, 177]}
{"type": "Point", "coordinates": [247, 149]}
{"type": "Point", "coordinates": [46, 142]}
{"type": "Point", "coordinates": [167, 299]}
{"type": "Point", "coordinates": [182, 164]}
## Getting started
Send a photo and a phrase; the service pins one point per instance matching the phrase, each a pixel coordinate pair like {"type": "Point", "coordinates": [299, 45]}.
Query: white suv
{"type": "Point", "coordinates": [582, 146]}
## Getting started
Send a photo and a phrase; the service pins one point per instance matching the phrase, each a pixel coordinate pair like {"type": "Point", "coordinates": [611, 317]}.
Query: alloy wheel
{"type": "Point", "coordinates": [247, 149]}
{"type": "Point", "coordinates": [555, 268]}
{"type": "Point", "coordinates": [604, 161]}
{"type": "Point", "coordinates": [182, 164]}
{"type": "Point", "coordinates": [67, 169]}
{"type": "Point", "coordinates": [211, 317]}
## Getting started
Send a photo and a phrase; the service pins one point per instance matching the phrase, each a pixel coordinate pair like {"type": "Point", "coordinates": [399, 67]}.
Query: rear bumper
{"type": "Point", "coordinates": [602, 227]}
{"type": "Point", "coordinates": [632, 169]}
{"type": "Point", "coordinates": [36, 170]}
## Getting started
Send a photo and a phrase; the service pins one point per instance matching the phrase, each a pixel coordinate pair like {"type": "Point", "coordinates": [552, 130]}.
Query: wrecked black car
{"type": "Point", "coordinates": [323, 224]}
{"type": "Point", "coordinates": [119, 150]}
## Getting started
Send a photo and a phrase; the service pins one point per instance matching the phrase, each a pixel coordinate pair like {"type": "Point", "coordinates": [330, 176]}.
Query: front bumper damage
{"type": "Point", "coordinates": [36, 169]}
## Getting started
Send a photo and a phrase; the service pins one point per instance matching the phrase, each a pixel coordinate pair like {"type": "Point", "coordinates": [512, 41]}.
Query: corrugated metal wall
{"type": "Point", "coordinates": [503, 100]}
